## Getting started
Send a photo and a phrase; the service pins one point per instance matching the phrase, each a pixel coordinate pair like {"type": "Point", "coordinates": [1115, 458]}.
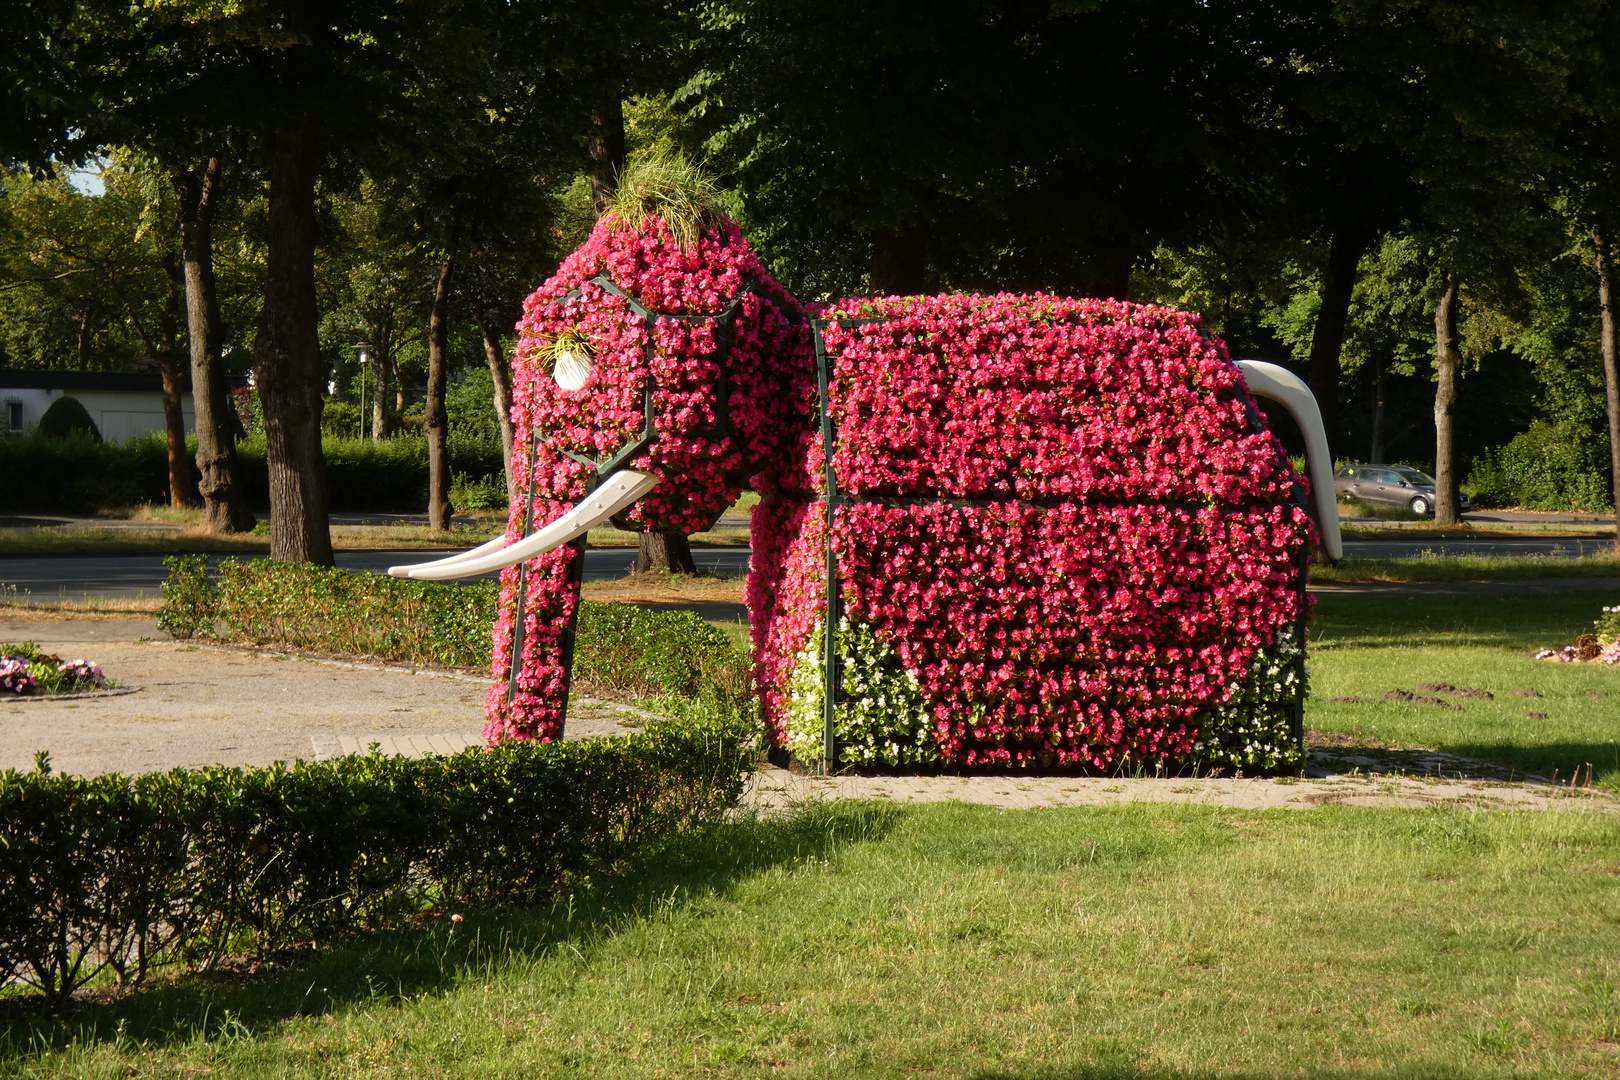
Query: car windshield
{"type": "Point", "coordinates": [1417, 477]}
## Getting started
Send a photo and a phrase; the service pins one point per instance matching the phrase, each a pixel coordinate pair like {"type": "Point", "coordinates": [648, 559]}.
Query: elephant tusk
{"type": "Point", "coordinates": [617, 492]}
{"type": "Point", "coordinates": [1290, 391]}
{"type": "Point", "coordinates": [459, 557]}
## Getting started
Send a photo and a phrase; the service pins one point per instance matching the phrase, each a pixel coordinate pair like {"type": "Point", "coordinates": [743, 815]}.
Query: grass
{"type": "Point", "coordinates": [1433, 567]}
{"type": "Point", "coordinates": [852, 940]}
{"type": "Point", "coordinates": [1365, 646]}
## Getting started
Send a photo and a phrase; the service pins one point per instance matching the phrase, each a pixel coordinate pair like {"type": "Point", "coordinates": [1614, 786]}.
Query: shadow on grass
{"type": "Point", "coordinates": [1542, 759]}
{"type": "Point", "coordinates": [1131, 1070]}
{"type": "Point", "coordinates": [397, 965]}
{"type": "Point", "coordinates": [1500, 760]}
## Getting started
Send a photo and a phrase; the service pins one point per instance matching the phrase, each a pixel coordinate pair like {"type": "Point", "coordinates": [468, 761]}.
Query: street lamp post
{"type": "Point", "coordinates": [364, 356]}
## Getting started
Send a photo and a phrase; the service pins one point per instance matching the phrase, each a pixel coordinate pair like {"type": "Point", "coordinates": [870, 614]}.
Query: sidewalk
{"type": "Point", "coordinates": [201, 704]}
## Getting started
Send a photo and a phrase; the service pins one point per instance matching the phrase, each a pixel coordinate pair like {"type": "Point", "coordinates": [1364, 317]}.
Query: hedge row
{"type": "Point", "coordinates": [619, 648]}
{"type": "Point", "coordinates": [78, 474]}
{"type": "Point", "coordinates": [130, 874]}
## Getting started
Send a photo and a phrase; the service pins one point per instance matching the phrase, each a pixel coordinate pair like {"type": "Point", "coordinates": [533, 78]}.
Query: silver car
{"type": "Point", "coordinates": [1392, 485]}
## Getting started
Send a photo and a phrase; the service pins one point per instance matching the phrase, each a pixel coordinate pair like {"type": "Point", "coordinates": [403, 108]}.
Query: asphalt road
{"type": "Point", "coordinates": [49, 577]}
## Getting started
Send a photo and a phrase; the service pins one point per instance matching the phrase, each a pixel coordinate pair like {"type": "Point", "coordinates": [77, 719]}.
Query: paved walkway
{"type": "Point", "coordinates": [775, 790]}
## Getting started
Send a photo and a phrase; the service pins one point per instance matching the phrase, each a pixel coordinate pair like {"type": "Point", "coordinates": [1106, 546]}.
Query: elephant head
{"type": "Point", "coordinates": [652, 381]}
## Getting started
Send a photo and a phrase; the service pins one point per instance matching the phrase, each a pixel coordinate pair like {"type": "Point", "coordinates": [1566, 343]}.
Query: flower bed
{"type": "Point", "coordinates": [697, 341]}
{"type": "Point", "coordinates": [1602, 647]}
{"type": "Point", "coordinates": [27, 671]}
{"type": "Point", "coordinates": [1059, 525]}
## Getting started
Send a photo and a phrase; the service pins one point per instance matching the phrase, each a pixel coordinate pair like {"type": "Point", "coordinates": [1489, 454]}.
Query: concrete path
{"type": "Point", "coordinates": [208, 705]}
{"type": "Point", "coordinates": [774, 790]}
{"type": "Point", "coordinates": [201, 704]}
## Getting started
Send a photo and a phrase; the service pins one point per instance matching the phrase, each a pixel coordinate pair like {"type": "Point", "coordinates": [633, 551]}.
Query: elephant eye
{"type": "Point", "coordinates": [571, 369]}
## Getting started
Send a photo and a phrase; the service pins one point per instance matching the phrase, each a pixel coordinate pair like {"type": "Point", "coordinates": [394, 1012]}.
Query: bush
{"type": "Point", "coordinates": [67, 416]}
{"type": "Point", "coordinates": [76, 473]}
{"type": "Point", "coordinates": [129, 874]}
{"type": "Point", "coordinates": [1552, 466]}
{"type": "Point", "coordinates": [619, 649]}
{"type": "Point", "coordinates": [381, 474]}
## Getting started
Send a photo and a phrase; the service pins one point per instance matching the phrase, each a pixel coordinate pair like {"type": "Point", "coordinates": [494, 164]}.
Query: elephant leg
{"type": "Point", "coordinates": [786, 595]}
{"type": "Point", "coordinates": [533, 646]}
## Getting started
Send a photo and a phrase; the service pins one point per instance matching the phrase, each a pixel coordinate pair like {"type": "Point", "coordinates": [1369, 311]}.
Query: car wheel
{"type": "Point", "coordinates": [1420, 505]}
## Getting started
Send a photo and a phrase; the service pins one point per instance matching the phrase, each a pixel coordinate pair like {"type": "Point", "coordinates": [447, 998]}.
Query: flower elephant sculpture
{"type": "Point", "coordinates": [1013, 531]}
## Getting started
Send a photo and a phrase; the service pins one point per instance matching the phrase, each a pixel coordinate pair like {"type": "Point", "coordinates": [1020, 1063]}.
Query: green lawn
{"type": "Point", "coordinates": [956, 941]}
{"type": "Point", "coordinates": [1364, 646]}
{"type": "Point", "coordinates": [1471, 567]}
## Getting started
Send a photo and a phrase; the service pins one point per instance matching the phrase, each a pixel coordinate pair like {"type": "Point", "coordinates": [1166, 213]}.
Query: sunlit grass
{"type": "Point", "coordinates": [853, 940]}
{"type": "Point", "coordinates": [1365, 646]}
{"type": "Point", "coordinates": [1437, 567]}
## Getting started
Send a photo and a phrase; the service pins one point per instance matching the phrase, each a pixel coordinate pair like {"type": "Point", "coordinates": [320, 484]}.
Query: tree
{"type": "Point", "coordinates": [108, 261]}
{"type": "Point", "coordinates": [1592, 201]}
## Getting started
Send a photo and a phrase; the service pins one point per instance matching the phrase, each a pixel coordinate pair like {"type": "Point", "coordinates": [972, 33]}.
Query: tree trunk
{"type": "Point", "coordinates": [500, 373]}
{"type": "Point", "coordinates": [380, 364]}
{"type": "Point", "coordinates": [1448, 364]}
{"type": "Point", "coordinates": [84, 341]}
{"type": "Point", "coordinates": [181, 493]}
{"type": "Point", "coordinates": [174, 423]}
{"type": "Point", "coordinates": [287, 357]}
{"type": "Point", "coordinates": [1376, 457]}
{"type": "Point", "coordinates": [667, 551]}
{"type": "Point", "coordinates": [163, 350]}
{"type": "Point", "coordinates": [1327, 337]}
{"type": "Point", "coordinates": [606, 147]}
{"type": "Point", "coordinates": [401, 397]}
{"type": "Point", "coordinates": [900, 261]}
{"type": "Point", "coordinates": [435, 422]}
{"type": "Point", "coordinates": [1609, 332]}
{"type": "Point", "coordinates": [224, 509]}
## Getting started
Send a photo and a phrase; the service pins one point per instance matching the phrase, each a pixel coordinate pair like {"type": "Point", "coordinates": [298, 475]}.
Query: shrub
{"type": "Point", "coordinates": [128, 874]}
{"type": "Point", "coordinates": [619, 649]}
{"type": "Point", "coordinates": [1552, 466]}
{"type": "Point", "coordinates": [188, 600]}
{"type": "Point", "coordinates": [381, 474]}
{"type": "Point", "coordinates": [78, 473]}
{"type": "Point", "coordinates": [67, 416]}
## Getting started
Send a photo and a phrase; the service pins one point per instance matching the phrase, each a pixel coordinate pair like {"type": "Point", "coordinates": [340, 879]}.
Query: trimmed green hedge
{"type": "Point", "coordinates": [618, 648]}
{"type": "Point", "coordinates": [77, 474]}
{"type": "Point", "coordinates": [130, 874]}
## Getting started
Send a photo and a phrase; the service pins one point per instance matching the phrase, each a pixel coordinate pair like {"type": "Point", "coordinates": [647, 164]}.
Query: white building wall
{"type": "Point", "coordinates": [119, 414]}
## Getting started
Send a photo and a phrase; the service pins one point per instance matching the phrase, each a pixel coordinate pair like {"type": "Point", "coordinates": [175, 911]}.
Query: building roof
{"type": "Point", "coordinates": [143, 382]}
